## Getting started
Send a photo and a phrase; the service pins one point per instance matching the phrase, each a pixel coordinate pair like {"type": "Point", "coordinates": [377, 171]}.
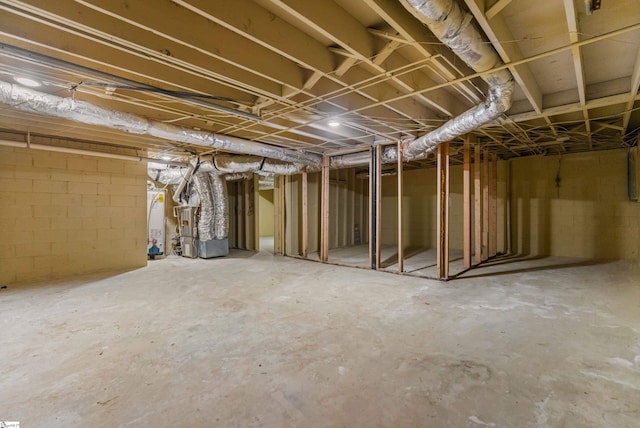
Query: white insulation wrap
{"type": "Point", "coordinates": [177, 194]}
{"type": "Point", "coordinates": [168, 175]}
{"type": "Point", "coordinates": [232, 164]}
{"type": "Point", "coordinates": [455, 29]}
{"type": "Point", "coordinates": [28, 100]}
{"type": "Point", "coordinates": [202, 185]}
{"type": "Point", "coordinates": [389, 155]}
{"type": "Point", "coordinates": [220, 206]}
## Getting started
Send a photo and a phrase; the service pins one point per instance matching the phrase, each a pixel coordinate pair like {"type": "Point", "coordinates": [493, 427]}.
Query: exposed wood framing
{"type": "Point", "coordinates": [477, 206]}
{"type": "Point", "coordinates": [443, 211]}
{"type": "Point", "coordinates": [493, 207]}
{"type": "Point", "coordinates": [498, 31]}
{"type": "Point", "coordinates": [400, 194]}
{"type": "Point", "coordinates": [378, 198]}
{"type": "Point", "coordinates": [324, 211]}
{"type": "Point", "coordinates": [372, 208]}
{"type": "Point", "coordinates": [635, 86]}
{"type": "Point", "coordinates": [485, 205]}
{"type": "Point", "coordinates": [305, 216]}
{"type": "Point", "coordinates": [466, 202]}
{"type": "Point", "coordinates": [256, 213]}
{"type": "Point", "coordinates": [496, 8]}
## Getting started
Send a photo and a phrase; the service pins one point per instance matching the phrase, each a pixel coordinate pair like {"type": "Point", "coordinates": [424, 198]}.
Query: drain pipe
{"type": "Point", "coordinates": [21, 98]}
{"type": "Point", "coordinates": [455, 29]}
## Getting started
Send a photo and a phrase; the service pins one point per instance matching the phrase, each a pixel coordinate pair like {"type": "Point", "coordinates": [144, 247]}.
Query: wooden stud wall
{"type": "Point", "coordinates": [466, 203]}
{"type": "Point", "coordinates": [443, 210]}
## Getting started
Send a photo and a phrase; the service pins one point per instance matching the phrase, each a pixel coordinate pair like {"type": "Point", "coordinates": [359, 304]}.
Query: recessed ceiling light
{"type": "Point", "coordinates": [334, 123]}
{"type": "Point", "coordinates": [25, 81]}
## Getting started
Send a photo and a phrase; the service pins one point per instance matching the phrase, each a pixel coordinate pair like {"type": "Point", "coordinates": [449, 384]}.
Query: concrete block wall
{"type": "Point", "coordinates": [62, 215]}
{"type": "Point", "coordinates": [588, 215]}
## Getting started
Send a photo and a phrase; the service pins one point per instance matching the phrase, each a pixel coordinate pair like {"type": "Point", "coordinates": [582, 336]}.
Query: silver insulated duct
{"type": "Point", "coordinates": [202, 185]}
{"type": "Point", "coordinates": [455, 28]}
{"type": "Point", "coordinates": [31, 101]}
{"type": "Point", "coordinates": [220, 207]}
{"type": "Point", "coordinates": [214, 215]}
{"type": "Point", "coordinates": [214, 206]}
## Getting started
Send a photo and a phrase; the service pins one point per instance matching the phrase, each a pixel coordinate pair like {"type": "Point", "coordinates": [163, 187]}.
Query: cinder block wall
{"type": "Point", "coordinates": [63, 215]}
{"type": "Point", "coordinates": [588, 215]}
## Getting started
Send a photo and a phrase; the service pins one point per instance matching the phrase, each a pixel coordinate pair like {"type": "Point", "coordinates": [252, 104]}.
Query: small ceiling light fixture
{"type": "Point", "coordinates": [166, 158]}
{"type": "Point", "coordinates": [333, 123]}
{"type": "Point", "coordinates": [25, 81]}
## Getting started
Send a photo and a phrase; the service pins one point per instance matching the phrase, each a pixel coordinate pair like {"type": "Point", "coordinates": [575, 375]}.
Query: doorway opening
{"type": "Point", "coordinates": [266, 214]}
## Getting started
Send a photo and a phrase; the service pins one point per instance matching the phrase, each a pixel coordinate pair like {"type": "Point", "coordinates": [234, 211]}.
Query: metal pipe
{"type": "Point", "coordinates": [28, 100]}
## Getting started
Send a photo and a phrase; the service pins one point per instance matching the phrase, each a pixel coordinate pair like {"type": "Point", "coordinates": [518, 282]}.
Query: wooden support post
{"type": "Point", "coordinates": [477, 206]}
{"type": "Point", "coordinates": [443, 211]}
{"type": "Point", "coordinates": [344, 208]}
{"type": "Point", "coordinates": [466, 203]}
{"type": "Point", "coordinates": [493, 207]}
{"type": "Point", "coordinates": [324, 208]}
{"type": "Point", "coordinates": [288, 232]}
{"type": "Point", "coordinates": [256, 214]}
{"type": "Point", "coordinates": [485, 205]}
{"type": "Point", "coordinates": [378, 197]}
{"type": "Point", "coordinates": [305, 216]}
{"type": "Point", "coordinates": [400, 194]}
{"type": "Point", "coordinates": [372, 209]}
{"type": "Point", "coordinates": [279, 209]}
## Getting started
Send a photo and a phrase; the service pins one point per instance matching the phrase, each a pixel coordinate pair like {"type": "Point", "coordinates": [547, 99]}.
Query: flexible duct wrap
{"type": "Point", "coordinates": [455, 29]}
{"type": "Point", "coordinates": [220, 206]}
{"type": "Point", "coordinates": [25, 99]}
{"type": "Point", "coordinates": [202, 185]}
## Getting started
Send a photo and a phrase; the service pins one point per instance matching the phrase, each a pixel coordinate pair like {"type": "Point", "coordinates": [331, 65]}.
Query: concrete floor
{"type": "Point", "coordinates": [258, 340]}
{"type": "Point", "coordinates": [417, 261]}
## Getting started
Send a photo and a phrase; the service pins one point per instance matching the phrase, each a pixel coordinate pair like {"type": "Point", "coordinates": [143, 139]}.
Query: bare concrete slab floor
{"type": "Point", "coordinates": [418, 261]}
{"type": "Point", "coordinates": [257, 340]}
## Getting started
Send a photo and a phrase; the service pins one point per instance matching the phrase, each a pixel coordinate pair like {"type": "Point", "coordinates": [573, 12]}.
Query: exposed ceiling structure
{"type": "Point", "coordinates": [325, 76]}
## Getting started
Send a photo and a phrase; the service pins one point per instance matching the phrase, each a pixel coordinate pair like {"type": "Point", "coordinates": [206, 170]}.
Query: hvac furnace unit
{"type": "Point", "coordinates": [188, 230]}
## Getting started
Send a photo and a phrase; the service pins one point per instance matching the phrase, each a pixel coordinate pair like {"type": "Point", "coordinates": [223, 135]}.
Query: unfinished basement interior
{"type": "Point", "coordinates": [335, 213]}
